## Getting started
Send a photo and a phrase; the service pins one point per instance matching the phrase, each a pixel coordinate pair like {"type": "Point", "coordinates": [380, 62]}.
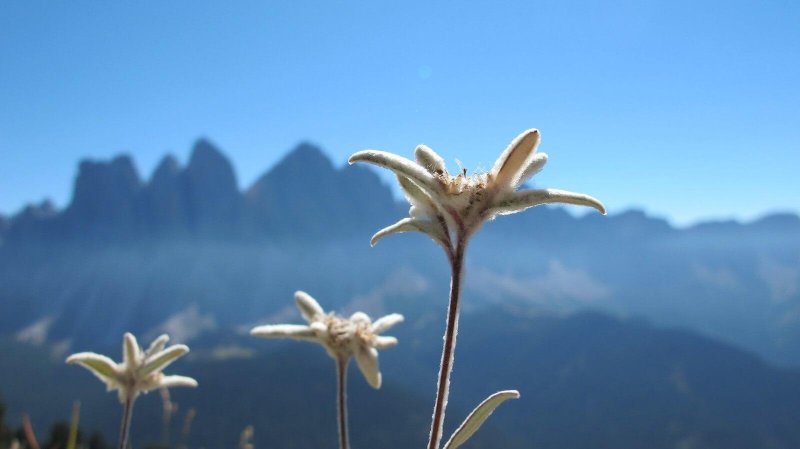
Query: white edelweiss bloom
{"type": "Point", "coordinates": [140, 370]}
{"type": "Point", "coordinates": [443, 205]}
{"type": "Point", "coordinates": [356, 336]}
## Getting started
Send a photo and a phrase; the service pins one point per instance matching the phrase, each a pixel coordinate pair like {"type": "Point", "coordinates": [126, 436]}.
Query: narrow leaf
{"type": "Point", "coordinates": [476, 419]}
{"type": "Point", "coordinates": [72, 438]}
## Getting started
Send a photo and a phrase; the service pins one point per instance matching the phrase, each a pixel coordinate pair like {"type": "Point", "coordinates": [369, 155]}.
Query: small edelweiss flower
{"type": "Point", "coordinates": [341, 337]}
{"type": "Point", "coordinates": [140, 370]}
{"type": "Point", "coordinates": [443, 205]}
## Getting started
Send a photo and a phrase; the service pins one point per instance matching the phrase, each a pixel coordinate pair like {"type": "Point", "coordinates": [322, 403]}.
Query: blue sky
{"type": "Point", "coordinates": [688, 109]}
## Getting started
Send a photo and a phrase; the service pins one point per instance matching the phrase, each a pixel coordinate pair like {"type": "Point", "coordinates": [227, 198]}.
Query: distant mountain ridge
{"type": "Point", "coordinates": [303, 194]}
{"type": "Point", "coordinates": [129, 253]}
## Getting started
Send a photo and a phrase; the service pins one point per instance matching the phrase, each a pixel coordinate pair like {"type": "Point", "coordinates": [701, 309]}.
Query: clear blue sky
{"type": "Point", "coordinates": [688, 109]}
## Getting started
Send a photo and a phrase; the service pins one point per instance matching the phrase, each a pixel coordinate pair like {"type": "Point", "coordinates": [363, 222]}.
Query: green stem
{"type": "Point", "coordinates": [449, 347]}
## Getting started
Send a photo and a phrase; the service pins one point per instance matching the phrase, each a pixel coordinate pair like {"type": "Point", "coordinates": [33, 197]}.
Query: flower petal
{"type": "Point", "coordinates": [309, 307]}
{"type": "Point", "coordinates": [160, 360]}
{"type": "Point", "coordinates": [519, 201]}
{"type": "Point", "coordinates": [510, 165]}
{"type": "Point", "coordinates": [382, 342]}
{"type": "Point", "coordinates": [157, 345]}
{"type": "Point", "coordinates": [477, 417]}
{"type": "Point", "coordinates": [384, 323]}
{"type": "Point", "coordinates": [399, 165]}
{"type": "Point", "coordinates": [100, 365]}
{"type": "Point", "coordinates": [535, 166]}
{"type": "Point", "coordinates": [131, 353]}
{"type": "Point", "coordinates": [361, 318]}
{"type": "Point", "coordinates": [367, 360]}
{"type": "Point", "coordinates": [177, 381]}
{"type": "Point", "coordinates": [429, 160]}
{"type": "Point", "coordinates": [433, 230]}
{"type": "Point", "coordinates": [294, 331]}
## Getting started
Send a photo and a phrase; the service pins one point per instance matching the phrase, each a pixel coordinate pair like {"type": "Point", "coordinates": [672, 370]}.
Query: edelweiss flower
{"type": "Point", "coordinates": [443, 205]}
{"type": "Point", "coordinates": [140, 371]}
{"type": "Point", "coordinates": [341, 337]}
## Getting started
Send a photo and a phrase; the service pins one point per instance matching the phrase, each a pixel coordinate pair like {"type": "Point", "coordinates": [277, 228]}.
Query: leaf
{"type": "Point", "coordinates": [476, 419]}
{"type": "Point", "coordinates": [72, 438]}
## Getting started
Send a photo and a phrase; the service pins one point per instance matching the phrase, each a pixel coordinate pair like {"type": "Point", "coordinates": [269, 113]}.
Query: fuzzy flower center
{"type": "Point", "coordinates": [344, 334]}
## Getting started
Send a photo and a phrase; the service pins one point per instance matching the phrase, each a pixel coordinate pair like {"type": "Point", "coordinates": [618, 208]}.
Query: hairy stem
{"type": "Point", "coordinates": [341, 396]}
{"type": "Point", "coordinates": [449, 347]}
{"type": "Point", "coordinates": [125, 427]}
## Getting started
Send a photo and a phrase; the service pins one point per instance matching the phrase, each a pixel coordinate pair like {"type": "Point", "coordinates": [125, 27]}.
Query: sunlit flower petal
{"type": "Point", "coordinates": [518, 201]}
{"type": "Point", "coordinates": [399, 165]}
{"type": "Point", "coordinates": [451, 208]}
{"type": "Point", "coordinates": [101, 366]}
{"type": "Point", "coordinates": [140, 371]}
{"type": "Point", "coordinates": [410, 225]}
{"type": "Point", "coordinates": [510, 165]}
{"type": "Point", "coordinates": [367, 361]}
{"type": "Point", "coordinates": [294, 331]}
{"type": "Point", "coordinates": [382, 342]}
{"type": "Point", "coordinates": [386, 322]}
{"type": "Point", "coordinates": [162, 359]}
{"type": "Point", "coordinates": [177, 381]}
{"type": "Point", "coordinates": [341, 337]}
{"type": "Point", "coordinates": [429, 160]}
{"type": "Point", "coordinates": [157, 345]}
{"type": "Point", "coordinates": [309, 307]}
{"type": "Point", "coordinates": [535, 166]}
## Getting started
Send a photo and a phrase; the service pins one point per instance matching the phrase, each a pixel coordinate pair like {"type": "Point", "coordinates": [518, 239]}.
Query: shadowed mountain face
{"type": "Point", "coordinates": [302, 197]}
{"type": "Point", "coordinates": [305, 196]}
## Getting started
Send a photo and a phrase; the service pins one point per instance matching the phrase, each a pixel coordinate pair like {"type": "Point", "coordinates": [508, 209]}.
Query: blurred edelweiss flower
{"type": "Point", "coordinates": [342, 337]}
{"type": "Point", "coordinates": [140, 370]}
{"type": "Point", "coordinates": [442, 204]}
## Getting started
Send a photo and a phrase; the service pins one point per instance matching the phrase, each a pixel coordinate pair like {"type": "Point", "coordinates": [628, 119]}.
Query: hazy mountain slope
{"type": "Point", "coordinates": [186, 246]}
{"type": "Point", "coordinates": [587, 381]}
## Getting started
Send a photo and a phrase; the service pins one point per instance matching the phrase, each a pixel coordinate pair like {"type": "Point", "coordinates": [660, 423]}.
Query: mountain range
{"type": "Point", "coordinates": [620, 329]}
{"type": "Point", "coordinates": [188, 243]}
